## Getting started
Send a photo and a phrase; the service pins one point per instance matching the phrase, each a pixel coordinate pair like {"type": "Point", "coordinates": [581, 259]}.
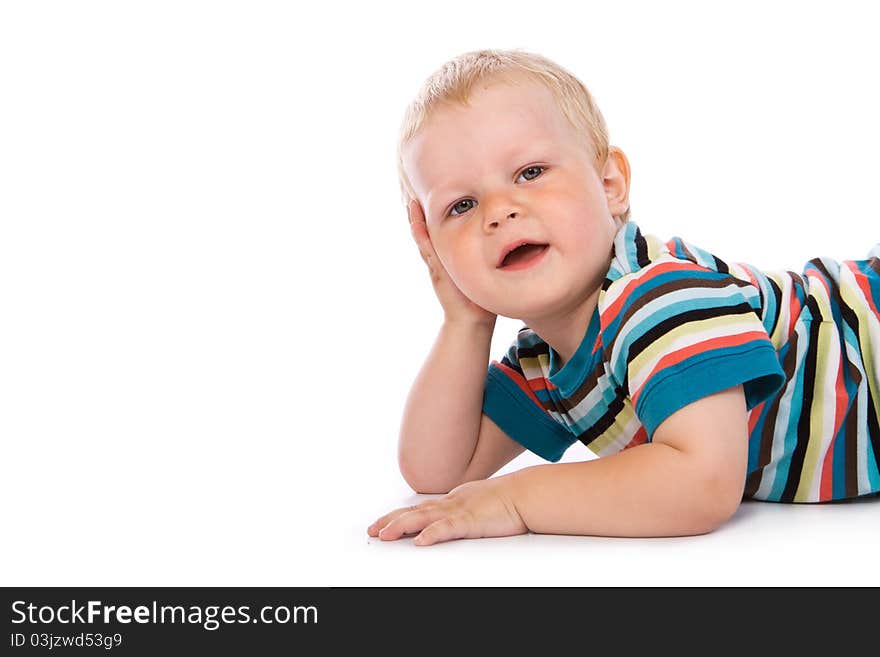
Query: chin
{"type": "Point", "coordinates": [540, 303]}
{"type": "Point", "coordinates": [521, 312]}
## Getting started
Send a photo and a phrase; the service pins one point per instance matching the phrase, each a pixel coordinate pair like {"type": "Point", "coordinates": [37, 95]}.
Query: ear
{"type": "Point", "coordinates": [615, 181]}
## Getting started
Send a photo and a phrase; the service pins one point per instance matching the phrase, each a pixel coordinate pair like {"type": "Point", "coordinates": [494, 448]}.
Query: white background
{"type": "Point", "coordinates": [211, 309]}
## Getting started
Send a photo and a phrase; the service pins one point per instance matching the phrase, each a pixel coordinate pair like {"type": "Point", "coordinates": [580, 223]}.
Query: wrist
{"type": "Point", "coordinates": [470, 324]}
{"type": "Point", "coordinates": [514, 484]}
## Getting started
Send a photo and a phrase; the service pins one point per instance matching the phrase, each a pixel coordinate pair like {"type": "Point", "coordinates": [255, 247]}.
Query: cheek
{"type": "Point", "coordinates": [453, 253]}
{"type": "Point", "coordinates": [579, 233]}
{"type": "Point", "coordinates": [586, 245]}
{"type": "Point", "coordinates": [457, 264]}
{"type": "Point", "coordinates": [463, 264]}
{"type": "Point", "coordinates": [446, 254]}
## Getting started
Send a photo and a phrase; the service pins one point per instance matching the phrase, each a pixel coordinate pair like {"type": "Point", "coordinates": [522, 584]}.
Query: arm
{"type": "Point", "coordinates": [689, 480]}
{"type": "Point", "coordinates": [445, 438]}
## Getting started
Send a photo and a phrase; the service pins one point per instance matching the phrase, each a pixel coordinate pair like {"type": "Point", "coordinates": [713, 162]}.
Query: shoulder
{"type": "Point", "coordinates": [678, 326]}
{"type": "Point", "coordinates": [645, 270]}
{"type": "Point", "coordinates": [667, 292]}
{"type": "Point", "coordinates": [634, 250]}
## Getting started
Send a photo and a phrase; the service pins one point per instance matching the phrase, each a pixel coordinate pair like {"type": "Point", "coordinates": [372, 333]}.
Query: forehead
{"type": "Point", "coordinates": [500, 121]}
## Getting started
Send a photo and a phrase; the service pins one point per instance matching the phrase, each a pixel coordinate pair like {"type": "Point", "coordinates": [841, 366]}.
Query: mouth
{"type": "Point", "coordinates": [522, 256]}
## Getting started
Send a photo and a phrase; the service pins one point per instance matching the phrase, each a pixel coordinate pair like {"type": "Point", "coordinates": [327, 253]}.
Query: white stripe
{"type": "Point", "coordinates": [594, 400]}
{"type": "Point", "coordinates": [861, 402]}
{"type": "Point", "coordinates": [623, 438]}
{"type": "Point", "coordinates": [782, 419]}
{"type": "Point", "coordinates": [703, 257]}
{"type": "Point", "coordinates": [613, 293]}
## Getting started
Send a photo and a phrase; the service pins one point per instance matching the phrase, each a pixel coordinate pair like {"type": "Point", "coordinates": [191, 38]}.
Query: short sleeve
{"type": "Point", "coordinates": [677, 332]}
{"type": "Point", "coordinates": [512, 399]}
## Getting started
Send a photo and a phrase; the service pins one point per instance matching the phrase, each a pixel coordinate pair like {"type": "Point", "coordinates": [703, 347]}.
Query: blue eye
{"type": "Point", "coordinates": [533, 167]}
{"type": "Point", "coordinates": [453, 213]}
{"type": "Point", "coordinates": [452, 210]}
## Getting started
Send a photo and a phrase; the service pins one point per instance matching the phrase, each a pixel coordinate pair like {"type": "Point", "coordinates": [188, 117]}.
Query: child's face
{"type": "Point", "coordinates": [511, 169]}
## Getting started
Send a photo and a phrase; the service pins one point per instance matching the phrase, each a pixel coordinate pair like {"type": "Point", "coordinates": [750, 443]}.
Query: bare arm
{"type": "Point", "coordinates": [689, 480]}
{"type": "Point", "coordinates": [445, 439]}
{"type": "Point", "coordinates": [494, 450]}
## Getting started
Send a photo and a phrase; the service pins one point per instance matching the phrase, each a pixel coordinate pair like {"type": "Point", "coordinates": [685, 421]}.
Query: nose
{"type": "Point", "coordinates": [497, 214]}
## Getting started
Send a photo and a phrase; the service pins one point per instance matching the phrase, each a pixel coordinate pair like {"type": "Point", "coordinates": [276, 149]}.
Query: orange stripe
{"type": "Point", "coordinates": [754, 416]}
{"type": "Point", "coordinates": [862, 282]}
{"type": "Point", "coordinates": [794, 310]}
{"type": "Point", "coordinates": [822, 281]}
{"type": "Point", "coordinates": [519, 380]}
{"type": "Point", "coordinates": [640, 437]}
{"type": "Point", "coordinates": [657, 270]}
{"type": "Point", "coordinates": [752, 279]}
{"type": "Point", "coordinates": [826, 489]}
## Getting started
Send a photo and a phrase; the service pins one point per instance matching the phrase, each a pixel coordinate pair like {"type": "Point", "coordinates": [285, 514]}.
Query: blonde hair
{"type": "Point", "coordinates": [455, 80]}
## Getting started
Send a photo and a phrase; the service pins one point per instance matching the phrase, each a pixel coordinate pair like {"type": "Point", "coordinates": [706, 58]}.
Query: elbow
{"type": "Point", "coordinates": [708, 520]}
{"type": "Point", "coordinates": [719, 501]}
{"type": "Point", "coordinates": [423, 483]}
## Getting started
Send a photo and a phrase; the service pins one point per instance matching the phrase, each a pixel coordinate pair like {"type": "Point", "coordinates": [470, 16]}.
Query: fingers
{"type": "Point", "coordinates": [414, 210]}
{"type": "Point", "coordinates": [376, 529]}
{"type": "Point", "coordinates": [419, 230]}
{"type": "Point", "coordinates": [373, 530]}
{"type": "Point", "coordinates": [410, 523]}
{"type": "Point", "coordinates": [407, 520]}
{"type": "Point", "coordinates": [432, 522]}
{"type": "Point", "coordinates": [445, 529]}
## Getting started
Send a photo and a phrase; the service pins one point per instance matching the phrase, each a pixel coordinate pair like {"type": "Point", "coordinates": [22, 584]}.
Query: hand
{"type": "Point", "coordinates": [475, 509]}
{"type": "Point", "coordinates": [456, 305]}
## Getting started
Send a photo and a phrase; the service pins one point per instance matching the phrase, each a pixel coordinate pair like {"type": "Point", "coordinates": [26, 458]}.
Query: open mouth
{"type": "Point", "coordinates": [523, 256]}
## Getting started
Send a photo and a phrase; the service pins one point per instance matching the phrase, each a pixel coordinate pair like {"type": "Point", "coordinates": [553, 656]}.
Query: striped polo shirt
{"type": "Point", "coordinates": [674, 324]}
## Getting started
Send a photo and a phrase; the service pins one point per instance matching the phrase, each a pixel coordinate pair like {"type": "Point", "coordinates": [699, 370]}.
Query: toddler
{"type": "Point", "coordinates": [698, 382]}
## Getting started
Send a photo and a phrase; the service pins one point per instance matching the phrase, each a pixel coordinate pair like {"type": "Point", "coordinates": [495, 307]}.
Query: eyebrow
{"type": "Point", "coordinates": [436, 196]}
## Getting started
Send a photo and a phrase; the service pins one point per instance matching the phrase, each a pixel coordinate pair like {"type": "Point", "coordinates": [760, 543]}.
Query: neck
{"type": "Point", "coordinates": [565, 332]}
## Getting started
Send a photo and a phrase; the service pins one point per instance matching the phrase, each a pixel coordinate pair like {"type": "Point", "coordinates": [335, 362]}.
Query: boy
{"type": "Point", "coordinates": [698, 382]}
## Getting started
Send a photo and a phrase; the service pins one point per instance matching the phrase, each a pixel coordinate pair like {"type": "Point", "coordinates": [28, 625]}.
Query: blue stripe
{"type": "Point", "coordinates": [699, 294]}
{"type": "Point", "coordinates": [520, 418]}
{"type": "Point", "coordinates": [754, 365]}
{"type": "Point", "coordinates": [790, 435]}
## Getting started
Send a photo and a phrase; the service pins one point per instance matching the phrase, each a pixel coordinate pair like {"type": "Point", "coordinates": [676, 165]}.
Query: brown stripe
{"type": "Point", "coordinates": [687, 252]}
{"type": "Point", "coordinates": [666, 288]}
{"type": "Point", "coordinates": [777, 295]}
{"type": "Point", "coordinates": [585, 387]}
{"type": "Point", "coordinates": [766, 450]}
{"type": "Point", "coordinates": [809, 385]}
{"type": "Point", "coordinates": [608, 419]}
